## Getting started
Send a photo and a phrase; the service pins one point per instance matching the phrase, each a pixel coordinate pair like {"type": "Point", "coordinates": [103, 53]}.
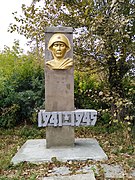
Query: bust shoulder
{"type": "Point", "coordinates": [65, 64]}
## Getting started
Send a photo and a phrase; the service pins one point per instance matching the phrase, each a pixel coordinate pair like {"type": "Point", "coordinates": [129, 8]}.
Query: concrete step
{"type": "Point", "coordinates": [89, 176]}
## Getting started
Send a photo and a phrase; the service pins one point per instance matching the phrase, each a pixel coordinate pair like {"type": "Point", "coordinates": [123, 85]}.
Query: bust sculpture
{"type": "Point", "coordinates": [59, 45]}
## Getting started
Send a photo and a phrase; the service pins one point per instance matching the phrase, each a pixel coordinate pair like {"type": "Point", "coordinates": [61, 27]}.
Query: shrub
{"type": "Point", "coordinates": [21, 90]}
{"type": "Point", "coordinates": [22, 93]}
{"type": "Point", "coordinates": [88, 90]}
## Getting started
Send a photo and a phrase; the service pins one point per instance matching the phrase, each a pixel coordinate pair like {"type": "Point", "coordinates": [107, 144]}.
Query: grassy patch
{"type": "Point", "coordinates": [115, 145]}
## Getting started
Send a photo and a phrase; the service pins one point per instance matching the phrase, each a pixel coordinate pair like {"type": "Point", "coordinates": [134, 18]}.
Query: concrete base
{"type": "Point", "coordinates": [35, 151]}
{"type": "Point", "coordinates": [89, 176]}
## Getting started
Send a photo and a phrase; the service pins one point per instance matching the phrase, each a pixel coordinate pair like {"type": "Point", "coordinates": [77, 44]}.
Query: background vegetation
{"type": "Point", "coordinates": [21, 87]}
{"type": "Point", "coordinates": [104, 55]}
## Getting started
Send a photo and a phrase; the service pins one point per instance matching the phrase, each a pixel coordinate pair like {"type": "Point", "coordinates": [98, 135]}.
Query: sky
{"type": "Point", "coordinates": [6, 17]}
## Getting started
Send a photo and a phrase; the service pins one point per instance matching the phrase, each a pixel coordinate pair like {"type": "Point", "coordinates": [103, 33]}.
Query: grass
{"type": "Point", "coordinates": [116, 144]}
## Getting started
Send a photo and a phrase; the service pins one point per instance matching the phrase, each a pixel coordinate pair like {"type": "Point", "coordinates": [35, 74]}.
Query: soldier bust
{"type": "Point", "coordinates": [59, 45]}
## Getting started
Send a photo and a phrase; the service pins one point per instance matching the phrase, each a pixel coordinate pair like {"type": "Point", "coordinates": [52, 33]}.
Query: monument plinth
{"type": "Point", "coordinates": [59, 86]}
{"type": "Point", "coordinates": [59, 116]}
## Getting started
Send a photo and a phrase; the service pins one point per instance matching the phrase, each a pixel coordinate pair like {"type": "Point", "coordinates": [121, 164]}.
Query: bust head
{"type": "Point", "coordinates": [59, 50]}
{"type": "Point", "coordinates": [59, 45]}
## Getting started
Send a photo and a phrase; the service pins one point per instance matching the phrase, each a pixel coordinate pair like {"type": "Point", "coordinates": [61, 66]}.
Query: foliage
{"type": "Point", "coordinates": [103, 40]}
{"type": "Point", "coordinates": [105, 32]}
{"type": "Point", "coordinates": [34, 132]}
{"type": "Point", "coordinates": [21, 87]}
{"type": "Point", "coordinates": [107, 35]}
{"type": "Point", "coordinates": [32, 24]}
{"type": "Point", "coordinates": [87, 90]}
{"type": "Point", "coordinates": [92, 93]}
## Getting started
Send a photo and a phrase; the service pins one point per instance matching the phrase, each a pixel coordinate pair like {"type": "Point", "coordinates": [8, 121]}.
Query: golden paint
{"type": "Point", "coordinates": [59, 45]}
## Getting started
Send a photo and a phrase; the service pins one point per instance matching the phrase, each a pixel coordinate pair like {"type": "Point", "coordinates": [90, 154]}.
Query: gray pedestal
{"type": "Point", "coordinates": [60, 136]}
{"type": "Point", "coordinates": [59, 93]}
{"type": "Point", "coordinates": [35, 151]}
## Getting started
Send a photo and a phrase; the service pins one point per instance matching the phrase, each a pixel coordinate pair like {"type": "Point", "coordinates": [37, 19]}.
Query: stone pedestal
{"type": "Point", "coordinates": [60, 136]}
{"type": "Point", "coordinates": [59, 93]}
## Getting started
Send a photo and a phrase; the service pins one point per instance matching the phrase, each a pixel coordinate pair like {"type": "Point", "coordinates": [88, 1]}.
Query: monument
{"type": "Point", "coordinates": [60, 116]}
{"type": "Point", "coordinates": [59, 82]}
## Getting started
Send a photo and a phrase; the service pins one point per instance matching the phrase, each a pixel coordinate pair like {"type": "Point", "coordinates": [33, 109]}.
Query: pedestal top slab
{"type": "Point", "coordinates": [35, 151]}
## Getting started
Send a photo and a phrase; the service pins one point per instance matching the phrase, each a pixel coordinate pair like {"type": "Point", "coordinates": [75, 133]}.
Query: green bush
{"type": "Point", "coordinates": [8, 116]}
{"type": "Point", "coordinates": [113, 110]}
{"type": "Point", "coordinates": [31, 132]}
{"type": "Point", "coordinates": [87, 91]}
{"type": "Point", "coordinates": [21, 90]}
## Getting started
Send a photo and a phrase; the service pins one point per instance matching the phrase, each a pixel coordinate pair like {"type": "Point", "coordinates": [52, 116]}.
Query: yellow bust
{"type": "Point", "coordinates": [59, 45]}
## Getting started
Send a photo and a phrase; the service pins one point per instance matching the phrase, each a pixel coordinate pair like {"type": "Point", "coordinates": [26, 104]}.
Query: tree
{"type": "Point", "coordinates": [104, 33]}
